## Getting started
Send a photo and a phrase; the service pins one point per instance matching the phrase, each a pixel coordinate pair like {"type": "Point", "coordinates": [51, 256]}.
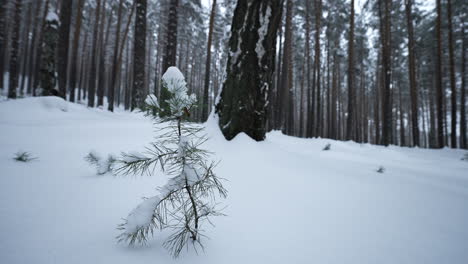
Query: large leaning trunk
{"type": "Point", "coordinates": [244, 98]}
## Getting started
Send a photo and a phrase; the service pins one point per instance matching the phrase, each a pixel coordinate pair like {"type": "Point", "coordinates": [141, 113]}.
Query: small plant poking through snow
{"type": "Point", "coordinates": [22, 156]}
{"type": "Point", "coordinates": [188, 200]}
{"type": "Point", "coordinates": [381, 169]}
{"type": "Point", "coordinates": [102, 166]}
{"type": "Point", "coordinates": [465, 157]}
{"type": "Point", "coordinates": [327, 147]}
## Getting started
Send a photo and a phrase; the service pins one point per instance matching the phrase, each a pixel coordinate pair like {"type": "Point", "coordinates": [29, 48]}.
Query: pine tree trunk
{"type": "Point", "coordinates": [3, 38]}
{"type": "Point", "coordinates": [14, 62]}
{"type": "Point", "coordinates": [243, 101]}
{"type": "Point", "coordinates": [318, 19]}
{"type": "Point", "coordinates": [94, 61]}
{"type": "Point", "coordinates": [439, 93]}
{"type": "Point", "coordinates": [115, 64]}
{"type": "Point", "coordinates": [463, 136]}
{"type": "Point", "coordinates": [351, 97]}
{"type": "Point", "coordinates": [285, 73]}
{"type": "Point", "coordinates": [386, 63]}
{"type": "Point", "coordinates": [139, 55]}
{"type": "Point", "coordinates": [74, 57]}
{"type": "Point", "coordinates": [63, 45]}
{"type": "Point", "coordinates": [412, 74]}
{"type": "Point", "coordinates": [205, 105]}
{"type": "Point", "coordinates": [453, 87]}
{"type": "Point", "coordinates": [102, 80]}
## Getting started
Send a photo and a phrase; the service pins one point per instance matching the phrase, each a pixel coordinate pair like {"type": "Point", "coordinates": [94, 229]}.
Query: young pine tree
{"type": "Point", "coordinates": [188, 199]}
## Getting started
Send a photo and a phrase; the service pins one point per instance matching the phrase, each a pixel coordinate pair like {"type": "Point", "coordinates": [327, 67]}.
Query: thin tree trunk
{"type": "Point", "coordinates": [139, 55]}
{"type": "Point", "coordinates": [205, 105]}
{"type": "Point", "coordinates": [111, 91]}
{"type": "Point", "coordinates": [14, 62]}
{"type": "Point", "coordinates": [94, 61]}
{"type": "Point", "coordinates": [439, 93]}
{"type": "Point", "coordinates": [74, 57]}
{"type": "Point", "coordinates": [63, 45]}
{"type": "Point", "coordinates": [351, 97]}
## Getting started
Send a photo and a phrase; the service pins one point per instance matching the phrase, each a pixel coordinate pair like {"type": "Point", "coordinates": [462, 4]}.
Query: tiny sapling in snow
{"type": "Point", "coordinates": [188, 200]}
{"type": "Point", "coordinates": [465, 157]}
{"type": "Point", "coordinates": [23, 156]}
{"type": "Point", "coordinates": [327, 147]}
{"type": "Point", "coordinates": [381, 169]}
{"type": "Point", "coordinates": [103, 166]}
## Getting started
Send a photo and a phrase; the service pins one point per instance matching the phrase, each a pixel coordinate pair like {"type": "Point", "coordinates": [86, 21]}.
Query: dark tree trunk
{"type": "Point", "coordinates": [350, 133]}
{"type": "Point", "coordinates": [3, 39]}
{"type": "Point", "coordinates": [102, 56]}
{"type": "Point", "coordinates": [139, 55]}
{"type": "Point", "coordinates": [115, 64]}
{"type": "Point", "coordinates": [206, 86]}
{"type": "Point", "coordinates": [386, 63]}
{"type": "Point", "coordinates": [453, 136]}
{"type": "Point", "coordinates": [170, 50]}
{"type": "Point", "coordinates": [251, 63]}
{"type": "Point", "coordinates": [286, 77]}
{"type": "Point", "coordinates": [439, 93]}
{"type": "Point", "coordinates": [48, 79]}
{"type": "Point", "coordinates": [412, 74]}
{"type": "Point", "coordinates": [94, 61]}
{"type": "Point", "coordinates": [64, 40]}
{"type": "Point", "coordinates": [74, 57]}
{"type": "Point", "coordinates": [14, 61]}
{"type": "Point", "coordinates": [318, 20]}
{"type": "Point", "coordinates": [463, 143]}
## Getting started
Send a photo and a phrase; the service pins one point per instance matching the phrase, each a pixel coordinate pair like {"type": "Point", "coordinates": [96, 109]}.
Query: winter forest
{"type": "Point", "coordinates": [256, 131]}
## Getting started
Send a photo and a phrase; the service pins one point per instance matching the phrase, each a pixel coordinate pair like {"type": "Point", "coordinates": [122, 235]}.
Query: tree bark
{"type": "Point", "coordinates": [94, 61]}
{"type": "Point", "coordinates": [351, 89]}
{"type": "Point", "coordinates": [139, 55]}
{"type": "Point", "coordinates": [63, 45]}
{"type": "Point", "coordinates": [243, 101]}
{"type": "Point", "coordinates": [14, 61]}
{"type": "Point", "coordinates": [206, 86]}
{"type": "Point", "coordinates": [439, 93]}
{"type": "Point", "coordinates": [74, 57]}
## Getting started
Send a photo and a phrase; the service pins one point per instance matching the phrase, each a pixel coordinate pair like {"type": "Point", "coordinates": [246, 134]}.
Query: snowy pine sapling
{"type": "Point", "coordinates": [102, 166]}
{"type": "Point", "coordinates": [188, 199]}
{"type": "Point", "coordinates": [23, 156]}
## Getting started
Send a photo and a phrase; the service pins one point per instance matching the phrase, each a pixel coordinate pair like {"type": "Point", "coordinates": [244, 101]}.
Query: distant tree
{"type": "Point", "coordinates": [74, 58]}
{"type": "Point", "coordinates": [350, 133]}
{"type": "Point", "coordinates": [115, 61]}
{"type": "Point", "coordinates": [453, 87]}
{"type": "Point", "coordinates": [243, 101]}
{"type": "Point", "coordinates": [3, 38]}
{"type": "Point", "coordinates": [286, 84]}
{"type": "Point", "coordinates": [412, 73]}
{"type": "Point", "coordinates": [48, 73]}
{"type": "Point", "coordinates": [206, 86]}
{"type": "Point", "coordinates": [14, 61]}
{"type": "Point", "coordinates": [63, 46]}
{"type": "Point", "coordinates": [139, 57]}
{"type": "Point", "coordinates": [170, 49]}
{"type": "Point", "coordinates": [94, 59]}
{"type": "Point", "coordinates": [439, 89]}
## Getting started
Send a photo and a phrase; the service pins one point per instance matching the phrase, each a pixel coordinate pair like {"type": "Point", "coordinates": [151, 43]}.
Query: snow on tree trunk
{"type": "Point", "coordinates": [244, 98]}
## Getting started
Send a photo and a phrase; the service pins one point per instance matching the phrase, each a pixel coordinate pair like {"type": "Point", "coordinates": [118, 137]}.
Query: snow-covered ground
{"type": "Point", "coordinates": [289, 201]}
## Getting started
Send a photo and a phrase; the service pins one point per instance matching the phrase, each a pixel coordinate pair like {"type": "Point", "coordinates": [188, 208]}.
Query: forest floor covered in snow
{"type": "Point", "coordinates": [289, 201]}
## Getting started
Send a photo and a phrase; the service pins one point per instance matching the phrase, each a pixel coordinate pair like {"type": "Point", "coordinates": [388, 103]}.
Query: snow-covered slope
{"type": "Point", "coordinates": [289, 201]}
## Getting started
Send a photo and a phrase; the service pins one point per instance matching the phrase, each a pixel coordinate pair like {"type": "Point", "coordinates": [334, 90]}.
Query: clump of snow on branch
{"type": "Point", "coordinates": [180, 101]}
